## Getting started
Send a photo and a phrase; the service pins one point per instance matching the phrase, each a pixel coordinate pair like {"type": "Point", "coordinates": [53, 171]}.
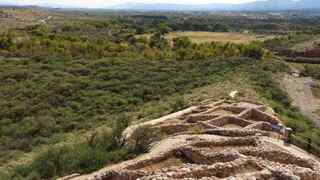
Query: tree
{"type": "Point", "coordinates": [6, 41]}
{"type": "Point", "coordinates": [158, 40]}
{"type": "Point", "coordinates": [163, 28]}
{"type": "Point", "coordinates": [39, 30]}
{"type": "Point", "coordinates": [219, 27]}
{"type": "Point", "coordinates": [143, 137]}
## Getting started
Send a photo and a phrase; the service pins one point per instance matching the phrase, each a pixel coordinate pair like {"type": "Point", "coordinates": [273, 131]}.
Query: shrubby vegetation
{"type": "Point", "coordinates": [39, 42]}
{"type": "Point", "coordinates": [46, 97]}
{"type": "Point", "coordinates": [148, 80]}
{"type": "Point", "coordinates": [80, 94]}
{"type": "Point", "coordinates": [64, 80]}
{"type": "Point", "coordinates": [100, 149]}
{"type": "Point", "coordinates": [220, 22]}
{"type": "Point", "coordinates": [79, 75]}
{"type": "Point", "coordinates": [124, 84]}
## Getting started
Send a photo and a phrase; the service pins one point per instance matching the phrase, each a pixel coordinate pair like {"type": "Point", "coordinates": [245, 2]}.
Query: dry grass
{"type": "Point", "coordinates": [224, 37]}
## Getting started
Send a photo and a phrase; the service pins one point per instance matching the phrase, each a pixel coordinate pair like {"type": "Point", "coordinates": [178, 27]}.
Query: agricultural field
{"type": "Point", "coordinates": [221, 37]}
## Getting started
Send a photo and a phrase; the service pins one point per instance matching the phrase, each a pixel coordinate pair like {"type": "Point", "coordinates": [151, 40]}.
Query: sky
{"type": "Point", "coordinates": [106, 3]}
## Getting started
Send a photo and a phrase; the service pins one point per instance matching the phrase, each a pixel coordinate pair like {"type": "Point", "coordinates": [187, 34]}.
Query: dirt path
{"type": "Point", "coordinates": [299, 89]}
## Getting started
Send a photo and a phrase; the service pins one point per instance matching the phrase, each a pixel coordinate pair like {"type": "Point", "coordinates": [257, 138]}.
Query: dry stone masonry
{"type": "Point", "coordinates": [216, 141]}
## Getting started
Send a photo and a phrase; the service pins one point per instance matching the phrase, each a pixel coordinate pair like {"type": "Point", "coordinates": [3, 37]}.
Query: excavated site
{"type": "Point", "coordinates": [220, 140]}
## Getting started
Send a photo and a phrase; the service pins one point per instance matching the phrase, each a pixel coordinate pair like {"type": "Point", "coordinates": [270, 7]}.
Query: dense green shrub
{"type": "Point", "coordinates": [253, 51]}
{"type": "Point", "coordinates": [178, 104]}
{"type": "Point", "coordinates": [52, 96]}
{"type": "Point", "coordinates": [181, 42]}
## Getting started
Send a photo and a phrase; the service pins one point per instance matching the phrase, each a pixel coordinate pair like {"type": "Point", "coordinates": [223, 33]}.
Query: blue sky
{"type": "Point", "coordinates": [106, 3]}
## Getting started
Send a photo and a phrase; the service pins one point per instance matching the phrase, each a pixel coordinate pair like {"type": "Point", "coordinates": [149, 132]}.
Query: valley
{"type": "Point", "coordinates": [75, 84]}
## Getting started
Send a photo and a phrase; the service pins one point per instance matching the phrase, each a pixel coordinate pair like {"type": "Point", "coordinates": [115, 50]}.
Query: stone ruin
{"type": "Point", "coordinates": [220, 140]}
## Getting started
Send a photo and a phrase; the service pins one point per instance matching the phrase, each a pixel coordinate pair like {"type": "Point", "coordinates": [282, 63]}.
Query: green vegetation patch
{"type": "Point", "coordinates": [49, 97]}
{"type": "Point", "coordinates": [107, 89]}
{"type": "Point", "coordinates": [100, 149]}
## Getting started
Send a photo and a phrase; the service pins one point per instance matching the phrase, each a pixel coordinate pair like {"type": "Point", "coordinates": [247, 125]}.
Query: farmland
{"type": "Point", "coordinates": [222, 37]}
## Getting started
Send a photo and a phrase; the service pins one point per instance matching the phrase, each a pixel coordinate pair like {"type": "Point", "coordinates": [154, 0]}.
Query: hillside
{"type": "Point", "coordinates": [259, 5]}
{"type": "Point", "coordinates": [269, 5]}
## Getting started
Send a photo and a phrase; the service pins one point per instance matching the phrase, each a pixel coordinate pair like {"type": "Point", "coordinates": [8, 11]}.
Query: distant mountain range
{"type": "Point", "coordinates": [259, 5]}
{"type": "Point", "coordinates": [262, 5]}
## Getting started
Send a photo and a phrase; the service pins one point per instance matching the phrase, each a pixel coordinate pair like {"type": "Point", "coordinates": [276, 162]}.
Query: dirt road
{"type": "Point", "coordinates": [299, 89]}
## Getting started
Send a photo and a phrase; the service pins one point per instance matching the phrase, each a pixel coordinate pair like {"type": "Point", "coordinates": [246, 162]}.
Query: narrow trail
{"type": "Point", "coordinates": [300, 91]}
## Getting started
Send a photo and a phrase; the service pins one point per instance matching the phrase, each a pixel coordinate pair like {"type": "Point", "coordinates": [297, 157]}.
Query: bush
{"type": "Point", "coordinates": [178, 104]}
{"type": "Point", "coordinates": [253, 51]}
{"type": "Point", "coordinates": [142, 139]}
{"type": "Point", "coordinates": [181, 42]}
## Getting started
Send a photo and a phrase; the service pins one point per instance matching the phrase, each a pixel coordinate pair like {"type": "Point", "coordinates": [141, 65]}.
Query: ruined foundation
{"type": "Point", "coordinates": [218, 141]}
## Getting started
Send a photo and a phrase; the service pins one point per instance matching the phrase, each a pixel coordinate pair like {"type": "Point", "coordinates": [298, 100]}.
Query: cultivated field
{"type": "Point", "coordinates": [224, 37]}
{"type": "Point", "coordinates": [203, 37]}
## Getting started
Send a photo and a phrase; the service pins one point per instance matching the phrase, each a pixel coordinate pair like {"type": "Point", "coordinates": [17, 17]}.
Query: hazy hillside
{"type": "Point", "coordinates": [259, 5]}
{"type": "Point", "coordinates": [267, 5]}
